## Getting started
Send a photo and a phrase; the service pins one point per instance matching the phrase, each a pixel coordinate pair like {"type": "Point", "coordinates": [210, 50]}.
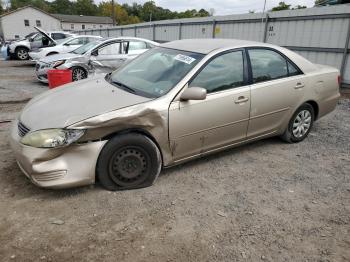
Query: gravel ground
{"type": "Point", "coordinates": [267, 201]}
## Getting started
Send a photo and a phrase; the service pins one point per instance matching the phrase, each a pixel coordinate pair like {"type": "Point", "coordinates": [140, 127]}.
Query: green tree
{"type": "Point", "coordinates": [62, 7]}
{"type": "Point", "coordinates": [281, 6]}
{"type": "Point", "coordinates": [86, 7]}
{"type": "Point", "coordinates": [122, 16]}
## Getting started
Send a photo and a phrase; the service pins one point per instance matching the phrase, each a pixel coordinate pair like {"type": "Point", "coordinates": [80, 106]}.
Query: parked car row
{"type": "Point", "coordinates": [101, 55]}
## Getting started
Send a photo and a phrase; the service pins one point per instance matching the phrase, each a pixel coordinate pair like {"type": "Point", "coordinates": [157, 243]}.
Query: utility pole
{"type": "Point", "coordinates": [113, 13]}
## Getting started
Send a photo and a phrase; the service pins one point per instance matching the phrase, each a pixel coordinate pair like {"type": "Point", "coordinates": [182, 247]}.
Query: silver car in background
{"type": "Point", "coordinates": [100, 56]}
{"type": "Point", "coordinates": [20, 49]}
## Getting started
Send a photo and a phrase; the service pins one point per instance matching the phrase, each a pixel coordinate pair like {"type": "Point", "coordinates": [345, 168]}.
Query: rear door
{"type": "Point", "coordinates": [277, 88]}
{"type": "Point", "coordinates": [222, 118]}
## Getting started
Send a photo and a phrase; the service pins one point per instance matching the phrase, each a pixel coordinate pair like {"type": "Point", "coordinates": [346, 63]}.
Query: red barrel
{"type": "Point", "coordinates": [58, 77]}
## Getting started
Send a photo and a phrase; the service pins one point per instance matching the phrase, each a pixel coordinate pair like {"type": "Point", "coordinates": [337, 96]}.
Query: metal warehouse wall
{"type": "Point", "coordinates": [320, 34]}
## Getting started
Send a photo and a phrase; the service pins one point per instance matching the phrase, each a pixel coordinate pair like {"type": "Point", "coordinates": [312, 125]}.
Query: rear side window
{"type": "Point", "coordinates": [58, 36]}
{"type": "Point", "coordinates": [137, 45]}
{"type": "Point", "coordinates": [268, 65]}
{"type": "Point", "coordinates": [223, 72]}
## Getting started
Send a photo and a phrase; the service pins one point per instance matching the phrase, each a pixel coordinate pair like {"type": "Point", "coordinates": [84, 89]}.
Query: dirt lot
{"type": "Point", "coordinates": [267, 201]}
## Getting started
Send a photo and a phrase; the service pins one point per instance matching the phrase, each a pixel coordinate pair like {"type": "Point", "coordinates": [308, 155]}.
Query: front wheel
{"type": "Point", "coordinates": [128, 161]}
{"type": "Point", "coordinates": [300, 124]}
{"type": "Point", "coordinates": [22, 53]}
{"type": "Point", "coordinates": [78, 73]}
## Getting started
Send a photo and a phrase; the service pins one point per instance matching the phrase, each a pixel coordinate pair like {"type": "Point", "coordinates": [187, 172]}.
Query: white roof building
{"type": "Point", "coordinates": [20, 22]}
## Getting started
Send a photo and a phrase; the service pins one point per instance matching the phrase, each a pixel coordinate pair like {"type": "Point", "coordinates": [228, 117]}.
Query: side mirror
{"type": "Point", "coordinates": [31, 40]}
{"type": "Point", "coordinates": [94, 53]}
{"type": "Point", "coordinates": [194, 93]}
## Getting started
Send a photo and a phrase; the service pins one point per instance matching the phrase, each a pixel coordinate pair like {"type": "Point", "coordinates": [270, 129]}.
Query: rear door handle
{"type": "Point", "coordinates": [241, 99]}
{"type": "Point", "coordinates": [299, 85]}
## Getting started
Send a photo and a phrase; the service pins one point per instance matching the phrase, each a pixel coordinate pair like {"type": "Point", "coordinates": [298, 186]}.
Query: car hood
{"type": "Point", "coordinates": [53, 58]}
{"type": "Point", "coordinates": [74, 102]}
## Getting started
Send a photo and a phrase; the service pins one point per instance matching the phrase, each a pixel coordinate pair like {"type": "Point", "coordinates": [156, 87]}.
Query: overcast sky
{"type": "Point", "coordinates": [221, 7]}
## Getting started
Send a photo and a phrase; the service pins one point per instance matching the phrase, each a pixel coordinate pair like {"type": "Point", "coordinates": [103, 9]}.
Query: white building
{"type": "Point", "coordinates": [21, 22]}
{"type": "Point", "coordinates": [81, 22]}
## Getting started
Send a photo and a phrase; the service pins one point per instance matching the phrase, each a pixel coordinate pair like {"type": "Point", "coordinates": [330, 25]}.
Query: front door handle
{"type": "Point", "coordinates": [299, 85]}
{"type": "Point", "coordinates": [241, 99]}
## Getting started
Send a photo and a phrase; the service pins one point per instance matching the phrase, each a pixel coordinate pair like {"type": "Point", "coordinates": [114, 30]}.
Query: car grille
{"type": "Point", "coordinates": [22, 129]}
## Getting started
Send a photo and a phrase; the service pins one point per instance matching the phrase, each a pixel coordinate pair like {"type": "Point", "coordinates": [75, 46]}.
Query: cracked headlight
{"type": "Point", "coordinates": [57, 63]}
{"type": "Point", "coordinates": [50, 138]}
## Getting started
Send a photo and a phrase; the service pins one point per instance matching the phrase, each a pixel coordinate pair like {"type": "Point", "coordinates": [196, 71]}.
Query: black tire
{"type": "Point", "coordinates": [78, 73]}
{"type": "Point", "coordinates": [22, 53]}
{"type": "Point", "coordinates": [128, 161]}
{"type": "Point", "coordinates": [290, 136]}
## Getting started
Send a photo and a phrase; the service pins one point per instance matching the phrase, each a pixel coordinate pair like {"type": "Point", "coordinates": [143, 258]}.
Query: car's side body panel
{"type": "Point", "coordinates": [199, 126]}
{"type": "Point", "coordinates": [186, 130]}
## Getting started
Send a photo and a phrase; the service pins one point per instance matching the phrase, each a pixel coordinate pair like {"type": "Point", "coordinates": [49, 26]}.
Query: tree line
{"type": "Point", "coordinates": [125, 13]}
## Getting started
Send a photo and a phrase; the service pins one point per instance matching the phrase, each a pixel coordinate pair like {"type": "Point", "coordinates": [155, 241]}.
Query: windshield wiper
{"type": "Point", "coordinates": [123, 86]}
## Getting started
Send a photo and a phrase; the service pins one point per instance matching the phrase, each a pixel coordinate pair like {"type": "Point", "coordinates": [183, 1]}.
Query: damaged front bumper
{"type": "Point", "coordinates": [64, 167]}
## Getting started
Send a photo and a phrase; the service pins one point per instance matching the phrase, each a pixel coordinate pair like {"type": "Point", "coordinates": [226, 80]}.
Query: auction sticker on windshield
{"type": "Point", "coordinates": [184, 58]}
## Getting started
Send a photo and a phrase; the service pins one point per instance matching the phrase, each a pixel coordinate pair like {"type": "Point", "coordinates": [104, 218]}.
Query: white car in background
{"type": "Point", "coordinates": [63, 47]}
{"type": "Point", "coordinates": [20, 49]}
{"type": "Point", "coordinates": [100, 56]}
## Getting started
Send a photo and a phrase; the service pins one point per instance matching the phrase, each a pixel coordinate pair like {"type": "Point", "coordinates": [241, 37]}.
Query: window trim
{"type": "Point", "coordinates": [250, 70]}
{"type": "Point", "coordinates": [245, 69]}
{"type": "Point", "coordinates": [107, 44]}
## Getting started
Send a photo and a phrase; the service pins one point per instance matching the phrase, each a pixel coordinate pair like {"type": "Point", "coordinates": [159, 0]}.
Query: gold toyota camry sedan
{"type": "Point", "coordinates": [176, 102]}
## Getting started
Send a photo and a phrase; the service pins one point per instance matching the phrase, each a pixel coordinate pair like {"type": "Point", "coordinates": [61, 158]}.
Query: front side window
{"type": "Point", "coordinates": [83, 49]}
{"type": "Point", "coordinates": [26, 22]}
{"type": "Point", "coordinates": [112, 49]}
{"type": "Point", "coordinates": [269, 65]}
{"type": "Point", "coordinates": [38, 37]}
{"type": "Point", "coordinates": [221, 73]}
{"type": "Point", "coordinates": [155, 72]}
{"type": "Point", "coordinates": [76, 41]}
{"type": "Point", "coordinates": [38, 23]}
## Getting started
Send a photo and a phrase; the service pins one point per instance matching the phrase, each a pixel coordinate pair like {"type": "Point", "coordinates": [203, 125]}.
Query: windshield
{"type": "Point", "coordinates": [155, 72]}
{"type": "Point", "coordinates": [65, 40]}
{"type": "Point", "coordinates": [84, 48]}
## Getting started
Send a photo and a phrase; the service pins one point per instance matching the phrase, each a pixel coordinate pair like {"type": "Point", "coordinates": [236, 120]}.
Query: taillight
{"type": "Point", "coordinates": [339, 80]}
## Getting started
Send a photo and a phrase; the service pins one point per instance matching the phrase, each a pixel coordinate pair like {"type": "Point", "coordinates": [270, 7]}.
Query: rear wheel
{"type": "Point", "coordinates": [300, 124]}
{"type": "Point", "coordinates": [128, 161]}
{"type": "Point", "coordinates": [78, 73]}
{"type": "Point", "coordinates": [22, 53]}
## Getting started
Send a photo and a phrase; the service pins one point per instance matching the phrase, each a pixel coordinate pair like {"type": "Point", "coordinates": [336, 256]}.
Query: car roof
{"type": "Point", "coordinates": [205, 46]}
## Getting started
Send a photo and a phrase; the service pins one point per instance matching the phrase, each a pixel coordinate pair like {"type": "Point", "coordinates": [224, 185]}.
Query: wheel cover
{"type": "Point", "coordinates": [129, 166]}
{"type": "Point", "coordinates": [22, 54]}
{"type": "Point", "coordinates": [301, 123]}
{"type": "Point", "coordinates": [78, 74]}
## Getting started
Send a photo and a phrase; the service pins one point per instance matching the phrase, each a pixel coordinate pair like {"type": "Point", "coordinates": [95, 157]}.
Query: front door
{"type": "Point", "coordinates": [109, 56]}
{"type": "Point", "coordinates": [222, 118]}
